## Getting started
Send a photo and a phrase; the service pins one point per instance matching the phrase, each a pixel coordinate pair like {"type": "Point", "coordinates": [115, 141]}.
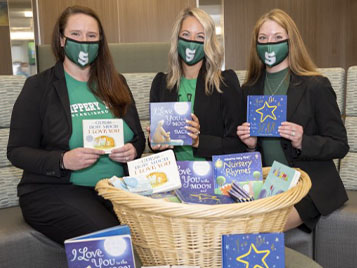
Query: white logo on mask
{"type": "Point", "coordinates": [270, 58]}
{"type": "Point", "coordinates": [190, 54]}
{"type": "Point", "coordinates": [83, 58]}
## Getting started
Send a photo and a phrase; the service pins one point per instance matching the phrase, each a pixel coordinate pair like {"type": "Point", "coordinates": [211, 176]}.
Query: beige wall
{"type": "Point", "coordinates": [328, 27]}
{"type": "Point", "coordinates": [124, 21]}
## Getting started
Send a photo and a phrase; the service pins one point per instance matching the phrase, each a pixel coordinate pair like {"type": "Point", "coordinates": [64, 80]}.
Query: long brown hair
{"type": "Point", "coordinates": [300, 62]}
{"type": "Point", "coordinates": [213, 52]}
{"type": "Point", "coordinates": [104, 81]}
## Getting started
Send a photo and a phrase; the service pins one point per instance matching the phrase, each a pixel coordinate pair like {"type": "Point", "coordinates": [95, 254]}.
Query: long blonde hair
{"type": "Point", "coordinates": [300, 62]}
{"type": "Point", "coordinates": [213, 52]}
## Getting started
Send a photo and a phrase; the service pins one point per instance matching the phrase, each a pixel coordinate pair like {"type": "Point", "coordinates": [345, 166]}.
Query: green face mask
{"type": "Point", "coordinates": [81, 53]}
{"type": "Point", "coordinates": [272, 54]}
{"type": "Point", "coordinates": [190, 51]}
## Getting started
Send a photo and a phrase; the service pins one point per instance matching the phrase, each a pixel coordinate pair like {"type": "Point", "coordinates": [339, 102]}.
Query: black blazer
{"type": "Point", "coordinates": [312, 104]}
{"type": "Point", "coordinates": [41, 126]}
{"type": "Point", "coordinates": [219, 114]}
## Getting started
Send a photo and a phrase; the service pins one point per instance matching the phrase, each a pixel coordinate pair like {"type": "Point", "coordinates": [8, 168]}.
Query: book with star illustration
{"type": "Point", "coordinates": [103, 134]}
{"type": "Point", "coordinates": [265, 113]}
{"type": "Point", "coordinates": [160, 169]}
{"type": "Point", "coordinates": [244, 169]}
{"type": "Point", "coordinates": [196, 178]}
{"type": "Point", "coordinates": [253, 250]}
{"type": "Point", "coordinates": [111, 247]}
{"type": "Point", "coordinates": [280, 179]}
{"type": "Point", "coordinates": [168, 121]}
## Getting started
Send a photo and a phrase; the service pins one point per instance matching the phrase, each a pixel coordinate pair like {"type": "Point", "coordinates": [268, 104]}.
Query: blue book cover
{"type": "Point", "coordinates": [168, 121]}
{"type": "Point", "coordinates": [110, 247]}
{"type": "Point", "coordinates": [197, 183]}
{"type": "Point", "coordinates": [265, 113]}
{"type": "Point", "coordinates": [253, 250]}
{"type": "Point", "coordinates": [244, 169]}
{"type": "Point", "coordinates": [280, 179]}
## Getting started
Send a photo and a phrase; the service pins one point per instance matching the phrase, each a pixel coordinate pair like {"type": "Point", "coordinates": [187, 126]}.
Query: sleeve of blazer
{"type": "Point", "coordinates": [157, 86]}
{"type": "Point", "coordinates": [330, 140]}
{"type": "Point", "coordinates": [26, 132]}
{"type": "Point", "coordinates": [132, 116]}
{"type": "Point", "coordinates": [232, 114]}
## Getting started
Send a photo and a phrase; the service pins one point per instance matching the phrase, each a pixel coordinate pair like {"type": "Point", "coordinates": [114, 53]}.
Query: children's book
{"type": "Point", "coordinates": [169, 196]}
{"type": "Point", "coordinates": [160, 169]}
{"type": "Point", "coordinates": [244, 168]}
{"type": "Point", "coordinates": [110, 247]}
{"type": "Point", "coordinates": [205, 199]}
{"type": "Point", "coordinates": [138, 185]}
{"type": "Point", "coordinates": [239, 194]}
{"type": "Point", "coordinates": [104, 134]}
{"type": "Point", "coordinates": [168, 121]}
{"type": "Point", "coordinates": [265, 113]}
{"type": "Point", "coordinates": [280, 178]}
{"type": "Point", "coordinates": [253, 250]}
{"type": "Point", "coordinates": [171, 266]}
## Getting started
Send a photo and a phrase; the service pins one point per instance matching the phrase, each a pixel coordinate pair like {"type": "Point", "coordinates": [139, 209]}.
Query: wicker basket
{"type": "Point", "coordinates": [186, 234]}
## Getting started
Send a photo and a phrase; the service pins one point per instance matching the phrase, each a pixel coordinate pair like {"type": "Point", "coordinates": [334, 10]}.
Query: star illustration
{"type": "Point", "coordinates": [206, 197]}
{"type": "Point", "coordinates": [256, 252]}
{"type": "Point", "coordinates": [266, 111]}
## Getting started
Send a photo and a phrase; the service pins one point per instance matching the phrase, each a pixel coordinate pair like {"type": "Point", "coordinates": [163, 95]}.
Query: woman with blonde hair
{"type": "Point", "coordinates": [313, 134]}
{"type": "Point", "coordinates": [195, 61]}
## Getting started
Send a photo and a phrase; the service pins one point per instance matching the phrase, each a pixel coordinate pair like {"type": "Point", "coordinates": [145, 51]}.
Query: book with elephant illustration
{"type": "Point", "coordinates": [245, 169]}
{"type": "Point", "coordinates": [103, 134]}
{"type": "Point", "coordinates": [160, 169]}
{"type": "Point", "coordinates": [168, 121]}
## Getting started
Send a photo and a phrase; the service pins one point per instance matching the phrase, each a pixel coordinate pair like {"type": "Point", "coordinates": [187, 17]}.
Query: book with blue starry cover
{"type": "Point", "coordinates": [253, 250]}
{"type": "Point", "coordinates": [111, 247]}
{"type": "Point", "coordinates": [243, 168]}
{"type": "Point", "coordinates": [168, 121]}
{"type": "Point", "coordinates": [265, 113]}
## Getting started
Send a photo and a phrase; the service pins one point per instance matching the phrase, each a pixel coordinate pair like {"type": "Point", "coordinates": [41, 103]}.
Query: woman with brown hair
{"type": "Point", "coordinates": [313, 134]}
{"type": "Point", "coordinates": [57, 195]}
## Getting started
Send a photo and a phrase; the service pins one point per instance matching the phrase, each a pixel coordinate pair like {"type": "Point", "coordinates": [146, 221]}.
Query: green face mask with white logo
{"type": "Point", "coordinates": [190, 52]}
{"type": "Point", "coordinates": [272, 54]}
{"type": "Point", "coordinates": [81, 53]}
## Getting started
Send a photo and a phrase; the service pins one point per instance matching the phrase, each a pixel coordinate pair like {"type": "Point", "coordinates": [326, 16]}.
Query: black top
{"type": "Point", "coordinates": [219, 114]}
{"type": "Point", "coordinates": [41, 126]}
{"type": "Point", "coordinates": [312, 104]}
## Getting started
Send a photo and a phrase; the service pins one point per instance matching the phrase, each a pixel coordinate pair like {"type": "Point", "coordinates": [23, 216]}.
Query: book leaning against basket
{"type": "Point", "coordinates": [104, 134]}
{"type": "Point", "coordinates": [111, 247]}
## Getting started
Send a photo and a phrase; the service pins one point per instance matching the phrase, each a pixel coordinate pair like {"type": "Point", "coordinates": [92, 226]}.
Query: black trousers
{"type": "Point", "coordinates": [65, 211]}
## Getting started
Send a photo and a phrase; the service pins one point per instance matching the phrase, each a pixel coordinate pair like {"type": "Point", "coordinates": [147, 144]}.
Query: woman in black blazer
{"type": "Point", "coordinates": [314, 133]}
{"type": "Point", "coordinates": [195, 61]}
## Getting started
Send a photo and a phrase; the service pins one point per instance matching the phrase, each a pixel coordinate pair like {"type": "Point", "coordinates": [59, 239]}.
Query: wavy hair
{"type": "Point", "coordinates": [300, 62]}
{"type": "Point", "coordinates": [213, 60]}
{"type": "Point", "coordinates": [104, 81]}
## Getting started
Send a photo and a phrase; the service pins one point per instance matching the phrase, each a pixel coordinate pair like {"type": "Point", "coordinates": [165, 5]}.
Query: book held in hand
{"type": "Point", "coordinates": [168, 121]}
{"type": "Point", "coordinates": [265, 113]}
{"type": "Point", "coordinates": [160, 169]}
{"type": "Point", "coordinates": [111, 247]}
{"type": "Point", "coordinates": [253, 250]}
{"type": "Point", "coordinates": [244, 169]}
{"type": "Point", "coordinates": [280, 179]}
{"type": "Point", "coordinates": [103, 134]}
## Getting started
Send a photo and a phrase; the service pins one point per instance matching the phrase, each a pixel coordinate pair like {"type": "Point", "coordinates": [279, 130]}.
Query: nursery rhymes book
{"type": "Point", "coordinates": [160, 169]}
{"type": "Point", "coordinates": [168, 121]}
{"type": "Point", "coordinates": [280, 178]}
{"type": "Point", "coordinates": [243, 168]}
{"type": "Point", "coordinates": [253, 250]}
{"type": "Point", "coordinates": [110, 247]}
{"type": "Point", "coordinates": [104, 134]}
{"type": "Point", "coordinates": [265, 113]}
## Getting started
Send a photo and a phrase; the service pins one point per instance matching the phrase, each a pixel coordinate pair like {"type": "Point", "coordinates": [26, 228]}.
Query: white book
{"type": "Point", "coordinates": [103, 134]}
{"type": "Point", "coordinates": [160, 169]}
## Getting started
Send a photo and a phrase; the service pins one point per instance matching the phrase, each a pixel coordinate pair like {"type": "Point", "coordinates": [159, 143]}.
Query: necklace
{"type": "Point", "coordinates": [280, 84]}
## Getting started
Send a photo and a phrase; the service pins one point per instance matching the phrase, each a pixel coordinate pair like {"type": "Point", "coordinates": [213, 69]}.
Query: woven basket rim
{"type": "Point", "coordinates": [171, 209]}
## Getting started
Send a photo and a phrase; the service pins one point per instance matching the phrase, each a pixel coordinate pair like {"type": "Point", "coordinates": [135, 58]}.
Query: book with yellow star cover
{"type": "Point", "coordinates": [244, 169]}
{"type": "Point", "coordinates": [265, 113]}
{"type": "Point", "coordinates": [111, 247]}
{"type": "Point", "coordinates": [253, 250]}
